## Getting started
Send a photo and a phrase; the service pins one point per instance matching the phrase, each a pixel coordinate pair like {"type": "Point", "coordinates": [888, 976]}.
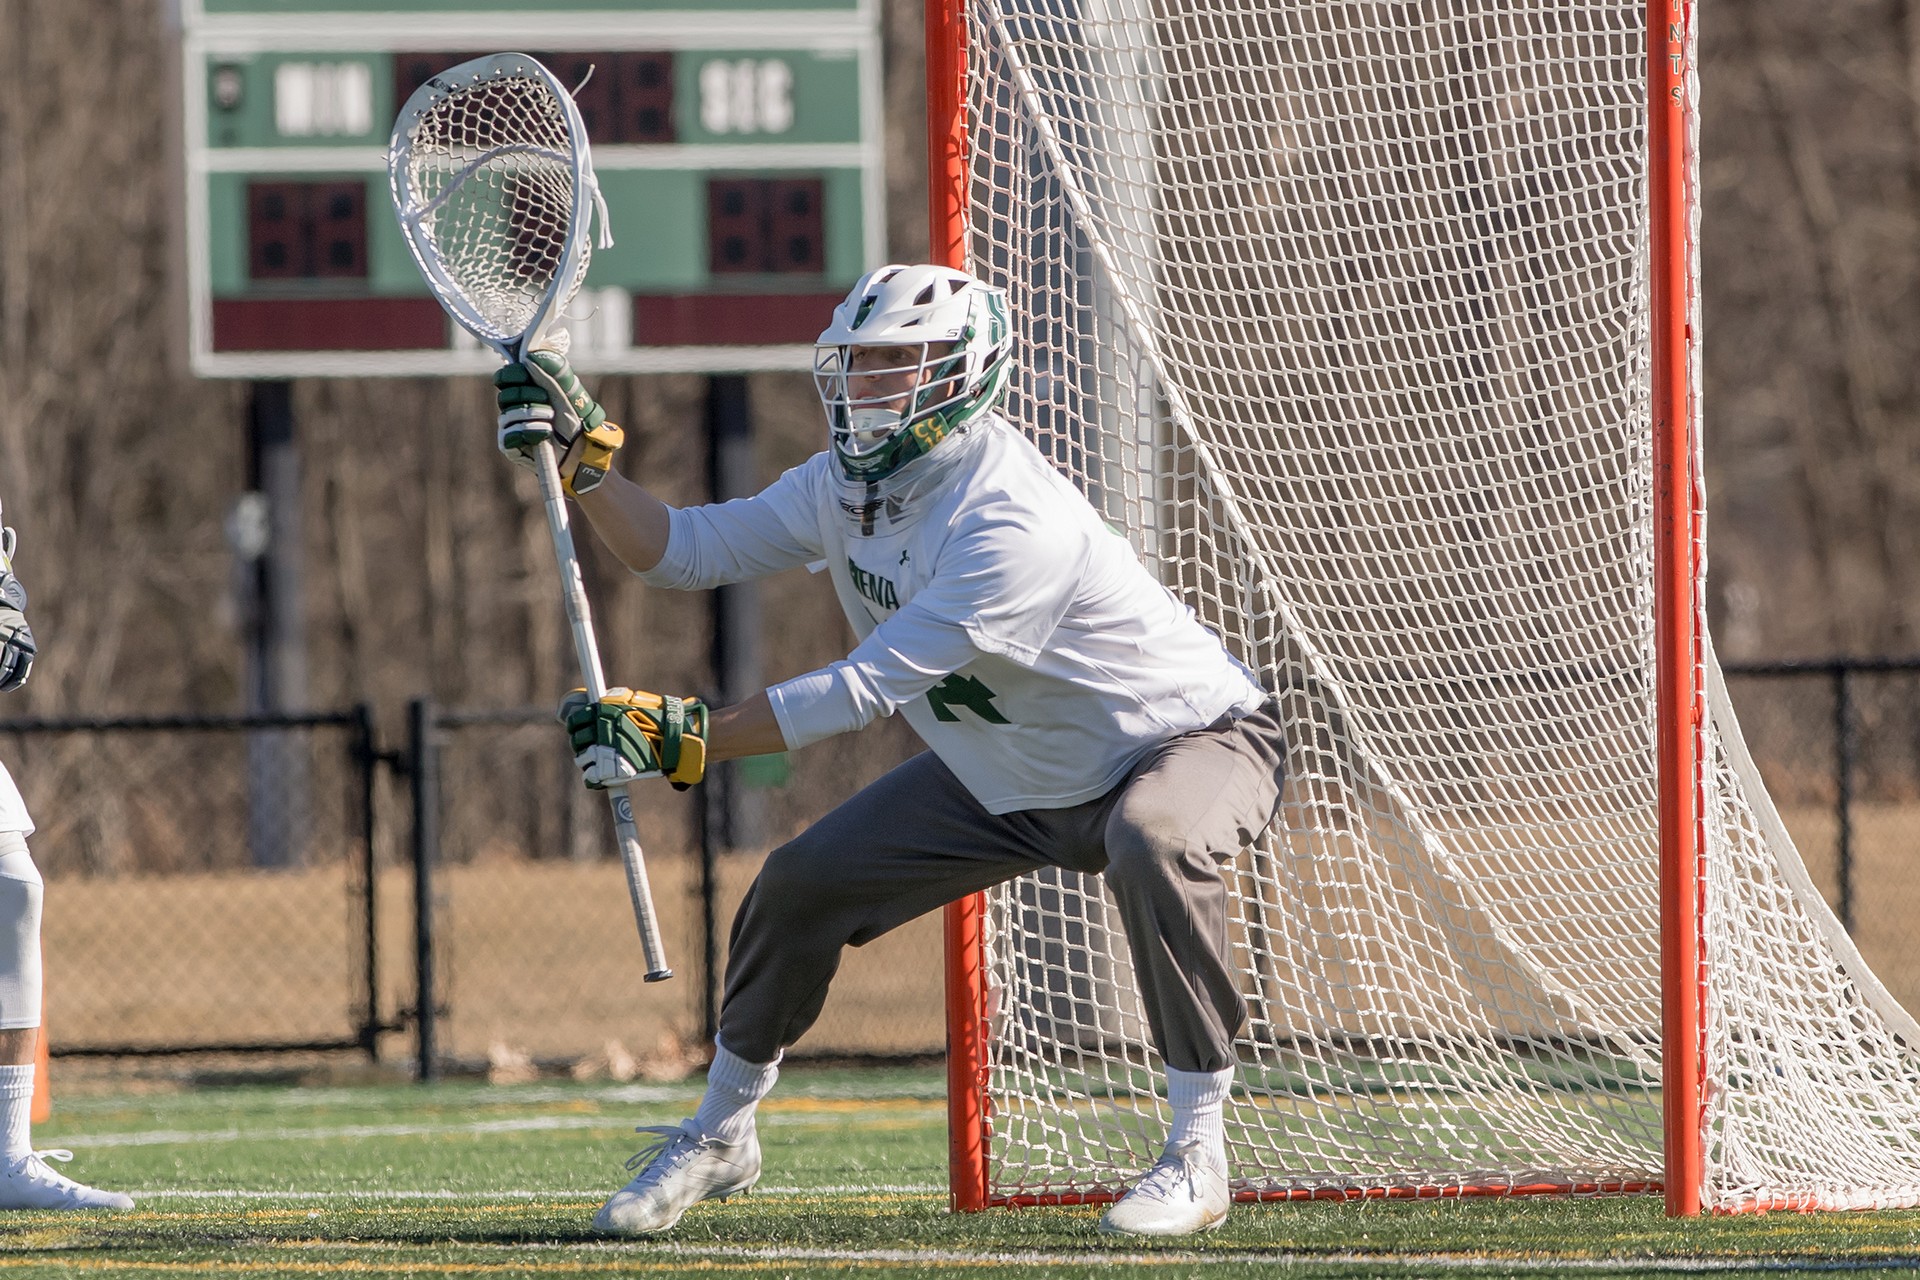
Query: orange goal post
{"type": "Point", "coordinates": [1375, 328]}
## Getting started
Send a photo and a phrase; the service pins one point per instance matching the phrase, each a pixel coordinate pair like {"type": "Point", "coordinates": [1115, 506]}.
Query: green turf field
{"type": "Point", "coordinates": [466, 1179]}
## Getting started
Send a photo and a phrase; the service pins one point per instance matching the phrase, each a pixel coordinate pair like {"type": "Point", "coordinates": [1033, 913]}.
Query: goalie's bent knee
{"type": "Point", "coordinates": [797, 878]}
{"type": "Point", "coordinates": [1143, 840]}
{"type": "Point", "coordinates": [21, 892]}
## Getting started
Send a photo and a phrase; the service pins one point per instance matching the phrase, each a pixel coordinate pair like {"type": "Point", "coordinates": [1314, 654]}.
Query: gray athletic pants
{"type": "Point", "coordinates": [916, 840]}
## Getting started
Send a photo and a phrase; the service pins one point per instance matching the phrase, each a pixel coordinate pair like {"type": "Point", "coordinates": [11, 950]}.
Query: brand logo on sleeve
{"type": "Point", "coordinates": [880, 591]}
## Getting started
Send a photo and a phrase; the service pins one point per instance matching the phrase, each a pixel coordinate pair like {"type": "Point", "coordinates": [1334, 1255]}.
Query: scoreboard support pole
{"type": "Point", "coordinates": [276, 668]}
{"type": "Point", "coordinates": [731, 812]}
{"type": "Point", "coordinates": [736, 607]}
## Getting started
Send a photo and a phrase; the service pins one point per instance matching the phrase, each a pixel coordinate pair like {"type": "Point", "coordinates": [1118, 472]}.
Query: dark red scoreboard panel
{"type": "Point", "coordinates": [307, 239]}
{"type": "Point", "coordinates": [328, 324]}
{"type": "Point", "coordinates": [306, 230]}
{"type": "Point", "coordinates": [314, 234]}
{"type": "Point", "coordinates": [766, 226]}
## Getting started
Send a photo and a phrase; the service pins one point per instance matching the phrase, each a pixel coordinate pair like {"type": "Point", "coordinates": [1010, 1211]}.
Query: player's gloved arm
{"type": "Point", "coordinates": [16, 640]}
{"type": "Point", "coordinates": [629, 735]}
{"type": "Point", "coordinates": [541, 399]}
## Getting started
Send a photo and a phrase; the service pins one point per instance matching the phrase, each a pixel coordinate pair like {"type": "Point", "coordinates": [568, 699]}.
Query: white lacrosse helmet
{"type": "Point", "coordinates": [958, 328]}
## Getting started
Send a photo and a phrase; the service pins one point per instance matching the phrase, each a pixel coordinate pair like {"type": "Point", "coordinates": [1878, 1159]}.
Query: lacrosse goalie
{"type": "Point", "coordinates": [1076, 715]}
{"type": "Point", "coordinates": [27, 1181]}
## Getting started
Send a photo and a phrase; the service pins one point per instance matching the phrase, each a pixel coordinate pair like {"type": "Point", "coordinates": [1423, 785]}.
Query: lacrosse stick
{"type": "Point", "coordinates": [495, 193]}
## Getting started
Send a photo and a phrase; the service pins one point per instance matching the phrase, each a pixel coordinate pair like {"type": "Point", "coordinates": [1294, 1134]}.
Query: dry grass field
{"type": "Point", "coordinates": [1886, 884]}
{"type": "Point", "coordinates": [536, 958]}
{"type": "Point", "coordinates": [545, 957]}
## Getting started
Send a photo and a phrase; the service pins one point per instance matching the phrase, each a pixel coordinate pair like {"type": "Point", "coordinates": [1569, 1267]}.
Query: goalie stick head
{"type": "Point", "coordinates": [493, 185]}
{"type": "Point", "coordinates": [948, 348]}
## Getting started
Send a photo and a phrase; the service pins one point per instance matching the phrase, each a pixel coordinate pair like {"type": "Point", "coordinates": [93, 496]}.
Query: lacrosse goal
{"type": "Point", "coordinates": [1375, 328]}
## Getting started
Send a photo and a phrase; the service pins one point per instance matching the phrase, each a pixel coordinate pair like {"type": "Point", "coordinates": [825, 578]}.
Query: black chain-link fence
{"type": "Point", "coordinates": [240, 884]}
{"type": "Point", "coordinates": [210, 882]}
{"type": "Point", "coordinates": [1838, 745]}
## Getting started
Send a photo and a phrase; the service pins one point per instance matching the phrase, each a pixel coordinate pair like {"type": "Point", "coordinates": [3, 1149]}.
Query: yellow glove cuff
{"type": "Point", "coordinates": [693, 759]}
{"type": "Point", "coordinates": [597, 447]}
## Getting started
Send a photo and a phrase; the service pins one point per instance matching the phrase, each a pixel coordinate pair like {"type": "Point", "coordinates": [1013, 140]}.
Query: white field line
{"type": "Point", "coordinates": [526, 1124]}
{"type": "Point", "coordinates": [300, 1099]}
{"type": "Point", "coordinates": [506, 1095]}
{"type": "Point", "coordinates": [172, 1137]}
{"type": "Point", "coordinates": [304, 1099]}
{"type": "Point", "coordinates": [1417, 1263]}
{"type": "Point", "coordinates": [516, 1193]}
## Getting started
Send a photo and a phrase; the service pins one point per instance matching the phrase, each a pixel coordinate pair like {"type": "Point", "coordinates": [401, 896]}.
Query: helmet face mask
{"type": "Point", "coordinates": [914, 355]}
{"type": "Point", "coordinates": [877, 394]}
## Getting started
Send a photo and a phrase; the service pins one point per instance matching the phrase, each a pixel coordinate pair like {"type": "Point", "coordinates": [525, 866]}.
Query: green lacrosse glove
{"type": "Point", "coordinates": [627, 736]}
{"type": "Point", "coordinates": [16, 641]}
{"type": "Point", "coordinates": [541, 399]}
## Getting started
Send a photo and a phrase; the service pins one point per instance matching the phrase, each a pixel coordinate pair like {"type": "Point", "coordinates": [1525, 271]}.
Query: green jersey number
{"type": "Point", "coordinates": [963, 691]}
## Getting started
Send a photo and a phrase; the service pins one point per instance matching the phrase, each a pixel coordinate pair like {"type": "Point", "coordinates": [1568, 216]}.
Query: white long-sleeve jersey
{"type": "Point", "coordinates": [1017, 633]}
{"type": "Point", "coordinates": [13, 810]}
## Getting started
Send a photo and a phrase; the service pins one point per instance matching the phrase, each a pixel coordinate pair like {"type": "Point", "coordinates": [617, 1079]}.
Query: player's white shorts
{"type": "Point", "coordinates": [13, 810]}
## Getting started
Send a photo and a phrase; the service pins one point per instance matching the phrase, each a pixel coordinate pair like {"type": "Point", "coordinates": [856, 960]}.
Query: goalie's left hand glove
{"type": "Point", "coordinates": [542, 399]}
{"type": "Point", "coordinates": [16, 641]}
{"type": "Point", "coordinates": [627, 736]}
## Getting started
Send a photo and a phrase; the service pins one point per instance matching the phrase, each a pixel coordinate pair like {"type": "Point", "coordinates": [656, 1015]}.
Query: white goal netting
{"type": "Point", "coordinates": [1341, 311]}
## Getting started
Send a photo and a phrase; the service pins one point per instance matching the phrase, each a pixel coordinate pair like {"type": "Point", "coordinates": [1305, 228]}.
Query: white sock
{"type": "Point", "coordinates": [734, 1088]}
{"type": "Point", "coordinates": [16, 1112]}
{"type": "Point", "coordinates": [1197, 1099]}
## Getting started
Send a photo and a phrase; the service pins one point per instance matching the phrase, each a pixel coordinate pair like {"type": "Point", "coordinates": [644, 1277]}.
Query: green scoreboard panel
{"type": "Point", "coordinates": [738, 146]}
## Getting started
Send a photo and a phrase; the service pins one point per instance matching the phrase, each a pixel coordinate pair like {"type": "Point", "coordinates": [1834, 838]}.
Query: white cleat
{"type": "Point", "coordinates": [31, 1183]}
{"type": "Point", "coordinates": [681, 1167]}
{"type": "Point", "coordinates": [1185, 1191]}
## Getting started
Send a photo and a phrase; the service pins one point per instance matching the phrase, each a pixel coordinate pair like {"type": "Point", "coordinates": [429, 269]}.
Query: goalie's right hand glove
{"type": "Point", "coordinates": [627, 736]}
{"type": "Point", "coordinates": [541, 399]}
{"type": "Point", "coordinates": [16, 641]}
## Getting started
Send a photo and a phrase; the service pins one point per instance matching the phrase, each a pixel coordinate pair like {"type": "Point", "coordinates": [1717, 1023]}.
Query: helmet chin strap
{"type": "Point", "coordinates": [873, 426]}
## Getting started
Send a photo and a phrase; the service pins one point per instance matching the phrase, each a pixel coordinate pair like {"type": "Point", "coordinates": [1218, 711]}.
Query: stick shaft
{"type": "Point", "coordinates": [581, 620]}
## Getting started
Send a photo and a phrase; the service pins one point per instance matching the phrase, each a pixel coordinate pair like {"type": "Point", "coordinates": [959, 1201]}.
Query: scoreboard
{"type": "Point", "coordinates": [738, 146]}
